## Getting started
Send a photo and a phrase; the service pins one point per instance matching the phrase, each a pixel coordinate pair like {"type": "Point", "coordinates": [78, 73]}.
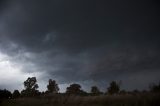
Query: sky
{"type": "Point", "coordinates": [89, 42]}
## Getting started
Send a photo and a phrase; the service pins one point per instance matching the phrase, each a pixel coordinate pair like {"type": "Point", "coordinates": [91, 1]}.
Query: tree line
{"type": "Point", "coordinates": [31, 90]}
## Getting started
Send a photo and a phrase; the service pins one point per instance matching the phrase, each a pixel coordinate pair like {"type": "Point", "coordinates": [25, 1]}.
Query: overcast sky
{"type": "Point", "coordinates": [90, 42]}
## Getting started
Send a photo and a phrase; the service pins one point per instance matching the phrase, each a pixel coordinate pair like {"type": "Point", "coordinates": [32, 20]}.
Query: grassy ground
{"type": "Point", "coordinates": [115, 100]}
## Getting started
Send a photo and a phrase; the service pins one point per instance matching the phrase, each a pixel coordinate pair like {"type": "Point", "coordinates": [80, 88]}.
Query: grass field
{"type": "Point", "coordinates": [147, 99]}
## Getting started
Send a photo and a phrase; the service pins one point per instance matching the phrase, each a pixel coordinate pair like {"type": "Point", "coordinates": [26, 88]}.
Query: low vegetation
{"type": "Point", "coordinates": [146, 99]}
{"type": "Point", "coordinates": [75, 96]}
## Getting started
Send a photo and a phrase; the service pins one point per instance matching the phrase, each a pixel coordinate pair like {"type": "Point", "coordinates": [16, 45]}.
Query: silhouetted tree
{"type": "Point", "coordinates": [113, 88]}
{"type": "Point", "coordinates": [155, 88]}
{"type": "Point", "coordinates": [136, 91]}
{"type": "Point", "coordinates": [83, 93]}
{"type": "Point", "coordinates": [95, 90]}
{"type": "Point", "coordinates": [16, 94]}
{"type": "Point", "coordinates": [74, 89]}
{"type": "Point", "coordinates": [31, 87]}
{"type": "Point", "coordinates": [52, 86]}
{"type": "Point", "coordinates": [5, 94]}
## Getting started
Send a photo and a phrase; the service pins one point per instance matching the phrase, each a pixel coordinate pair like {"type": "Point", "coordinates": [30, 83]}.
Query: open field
{"type": "Point", "coordinates": [147, 99]}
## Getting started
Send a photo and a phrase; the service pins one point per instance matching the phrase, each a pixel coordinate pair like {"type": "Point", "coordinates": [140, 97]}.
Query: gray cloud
{"type": "Point", "coordinates": [83, 41]}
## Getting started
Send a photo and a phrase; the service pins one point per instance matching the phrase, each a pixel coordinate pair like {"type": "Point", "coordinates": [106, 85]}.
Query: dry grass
{"type": "Point", "coordinates": [104, 100]}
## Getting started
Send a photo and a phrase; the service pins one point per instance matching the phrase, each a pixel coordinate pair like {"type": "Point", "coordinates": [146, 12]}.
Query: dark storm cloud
{"type": "Point", "coordinates": [82, 40]}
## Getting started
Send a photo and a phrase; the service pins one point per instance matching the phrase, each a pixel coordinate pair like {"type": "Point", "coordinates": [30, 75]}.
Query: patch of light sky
{"type": "Point", "coordinates": [13, 76]}
{"type": "Point", "coordinates": [11, 73]}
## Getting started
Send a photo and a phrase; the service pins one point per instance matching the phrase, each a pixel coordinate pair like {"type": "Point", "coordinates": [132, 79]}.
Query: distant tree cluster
{"type": "Point", "coordinates": [31, 89]}
{"type": "Point", "coordinates": [95, 91]}
{"type": "Point", "coordinates": [75, 89]}
{"type": "Point", "coordinates": [5, 94]}
{"type": "Point", "coordinates": [155, 88]}
{"type": "Point", "coordinates": [114, 88]}
{"type": "Point", "coordinates": [16, 94]}
{"type": "Point", "coordinates": [52, 86]}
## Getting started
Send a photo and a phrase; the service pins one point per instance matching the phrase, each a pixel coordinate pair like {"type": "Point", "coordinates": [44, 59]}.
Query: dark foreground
{"type": "Point", "coordinates": [148, 99]}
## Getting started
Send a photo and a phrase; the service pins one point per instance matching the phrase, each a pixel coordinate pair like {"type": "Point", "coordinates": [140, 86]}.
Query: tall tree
{"type": "Point", "coordinates": [74, 89]}
{"type": "Point", "coordinates": [16, 94]}
{"type": "Point", "coordinates": [113, 88]}
{"type": "Point", "coordinates": [52, 86]}
{"type": "Point", "coordinates": [31, 83]}
{"type": "Point", "coordinates": [95, 90]}
{"type": "Point", "coordinates": [31, 87]}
